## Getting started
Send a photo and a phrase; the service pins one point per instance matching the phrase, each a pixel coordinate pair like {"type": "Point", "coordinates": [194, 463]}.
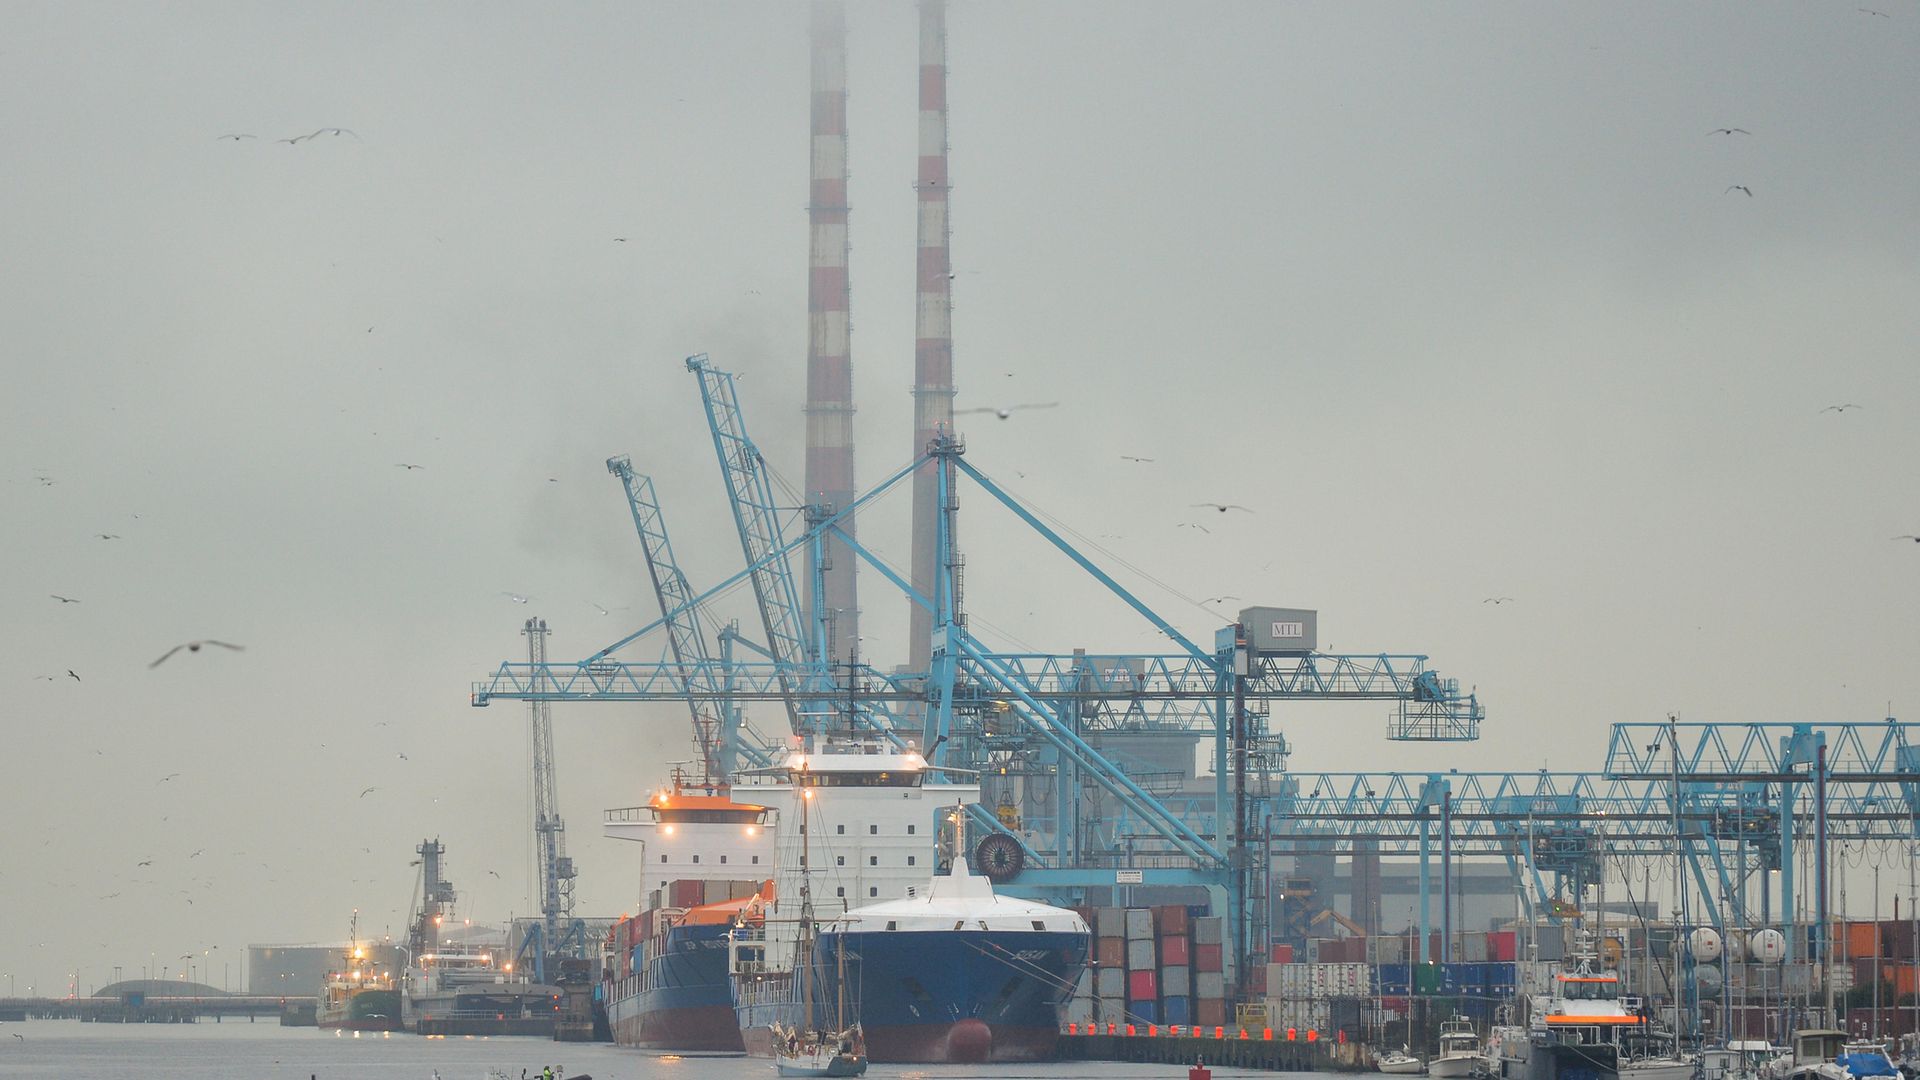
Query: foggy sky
{"type": "Point", "coordinates": [1452, 295]}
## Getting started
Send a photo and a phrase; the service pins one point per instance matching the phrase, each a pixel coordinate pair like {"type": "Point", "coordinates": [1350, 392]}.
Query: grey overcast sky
{"type": "Point", "coordinates": [1454, 296]}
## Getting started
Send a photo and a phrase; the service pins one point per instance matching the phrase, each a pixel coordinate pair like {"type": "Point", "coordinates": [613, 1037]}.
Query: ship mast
{"type": "Point", "coordinates": [804, 954]}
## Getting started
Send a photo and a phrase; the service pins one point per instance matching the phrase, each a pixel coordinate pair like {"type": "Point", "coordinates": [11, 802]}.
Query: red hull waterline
{"type": "Point", "coordinates": [706, 1028]}
{"type": "Point", "coordinates": [375, 1023]}
{"type": "Point", "coordinates": [965, 1042]}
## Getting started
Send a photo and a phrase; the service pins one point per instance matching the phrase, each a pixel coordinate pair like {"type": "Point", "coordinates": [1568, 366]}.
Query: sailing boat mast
{"type": "Point", "coordinates": [804, 955]}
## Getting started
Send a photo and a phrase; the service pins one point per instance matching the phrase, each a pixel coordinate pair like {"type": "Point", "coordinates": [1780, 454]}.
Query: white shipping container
{"type": "Point", "coordinates": [1139, 924]}
{"type": "Point", "coordinates": [1112, 983]}
{"type": "Point", "coordinates": [1140, 955]}
{"type": "Point", "coordinates": [1207, 930]}
{"type": "Point", "coordinates": [1111, 921]}
{"type": "Point", "coordinates": [1078, 1011]}
{"type": "Point", "coordinates": [1209, 985]}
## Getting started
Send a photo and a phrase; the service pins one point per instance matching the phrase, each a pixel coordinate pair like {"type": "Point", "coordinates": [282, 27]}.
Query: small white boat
{"type": "Point", "coordinates": [1400, 1063]}
{"type": "Point", "coordinates": [1460, 1054]}
{"type": "Point", "coordinates": [1657, 1068]}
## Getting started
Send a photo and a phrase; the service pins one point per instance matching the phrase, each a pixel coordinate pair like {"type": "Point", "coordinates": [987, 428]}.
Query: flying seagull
{"type": "Point", "coordinates": [517, 598]}
{"type": "Point", "coordinates": [1192, 525]}
{"type": "Point", "coordinates": [1870, 11]}
{"type": "Point", "coordinates": [72, 676]}
{"type": "Point", "coordinates": [237, 137]}
{"type": "Point", "coordinates": [167, 777]}
{"type": "Point", "coordinates": [495, 873]}
{"type": "Point", "coordinates": [1729, 131]}
{"type": "Point", "coordinates": [63, 599]}
{"type": "Point", "coordinates": [368, 791]}
{"type": "Point", "coordinates": [1840, 408]}
{"type": "Point", "coordinates": [1223, 507]}
{"type": "Point", "coordinates": [108, 536]}
{"type": "Point", "coordinates": [195, 646]}
{"type": "Point", "coordinates": [407, 465]}
{"type": "Point", "coordinates": [1222, 599]}
{"type": "Point", "coordinates": [1739, 187]}
{"type": "Point", "coordinates": [1909, 536]}
{"type": "Point", "coordinates": [1005, 411]}
{"type": "Point", "coordinates": [1496, 599]}
{"type": "Point", "coordinates": [144, 862]}
{"type": "Point", "coordinates": [1130, 457]}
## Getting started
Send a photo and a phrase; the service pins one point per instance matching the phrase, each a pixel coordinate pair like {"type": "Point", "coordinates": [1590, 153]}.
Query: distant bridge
{"type": "Point", "coordinates": [144, 1009]}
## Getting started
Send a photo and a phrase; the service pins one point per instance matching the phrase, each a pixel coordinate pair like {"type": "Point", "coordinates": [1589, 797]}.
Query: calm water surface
{"type": "Point", "coordinates": [63, 1049]}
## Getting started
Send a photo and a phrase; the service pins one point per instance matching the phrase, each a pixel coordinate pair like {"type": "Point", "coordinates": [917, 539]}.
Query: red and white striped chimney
{"type": "Point", "coordinates": [829, 409]}
{"type": "Point", "coordinates": [933, 324]}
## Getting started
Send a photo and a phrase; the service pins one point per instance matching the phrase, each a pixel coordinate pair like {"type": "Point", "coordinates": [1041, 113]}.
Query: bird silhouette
{"type": "Point", "coordinates": [1005, 411]}
{"type": "Point", "coordinates": [144, 862]}
{"type": "Point", "coordinates": [1909, 536]}
{"type": "Point", "coordinates": [367, 791]}
{"type": "Point", "coordinates": [195, 646]}
{"type": "Point", "coordinates": [495, 873]}
{"type": "Point", "coordinates": [1870, 11]}
{"type": "Point", "coordinates": [167, 777]}
{"type": "Point", "coordinates": [1224, 507]}
{"type": "Point", "coordinates": [1729, 131]}
{"type": "Point", "coordinates": [1192, 525]}
{"type": "Point", "coordinates": [63, 599]}
{"type": "Point", "coordinates": [404, 757]}
{"type": "Point", "coordinates": [72, 675]}
{"type": "Point", "coordinates": [1739, 187]}
{"type": "Point", "coordinates": [237, 137]}
{"type": "Point", "coordinates": [1222, 599]}
{"type": "Point", "coordinates": [1130, 457]}
{"type": "Point", "coordinates": [407, 465]}
{"type": "Point", "coordinates": [517, 598]}
{"type": "Point", "coordinates": [1496, 599]}
{"type": "Point", "coordinates": [108, 536]}
{"type": "Point", "coordinates": [1840, 408]}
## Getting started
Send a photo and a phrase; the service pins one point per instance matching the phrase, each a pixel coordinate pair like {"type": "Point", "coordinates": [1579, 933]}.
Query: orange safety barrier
{"type": "Point", "coordinates": [1109, 1027]}
{"type": "Point", "coordinates": [1073, 1029]}
{"type": "Point", "coordinates": [1219, 1032]}
{"type": "Point", "coordinates": [1267, 1034]}
{"type": "Point", "coordinates": [1152, 1030]}
{"type": "Point", "coordinates": [1243, 1033]}
{"type": "Point", "coordinates": [1312, 1035]}
{"type": "Point", "coordinates": [1129, 1030]}
{"type": "Point", "coordinates": [1292, 1034]}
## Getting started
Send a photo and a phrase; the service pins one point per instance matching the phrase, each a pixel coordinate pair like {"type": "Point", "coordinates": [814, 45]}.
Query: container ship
{"type": "Point", "coordinates": [939, 968]}
{"type": "Point", "coordinates": [706, 857]}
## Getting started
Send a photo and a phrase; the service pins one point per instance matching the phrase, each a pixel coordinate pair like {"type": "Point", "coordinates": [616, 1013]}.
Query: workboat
{"type": "Point", "coordinates": [358, 996]}
{"type": "Point", "coordinates": [1812, 1055]}
{"type": "Point", "coordinates": [1460, 1054]}
{"type": "Point", "coordinates": [456, 982]}
{"type": "Point", "coordinates": [704, 856]}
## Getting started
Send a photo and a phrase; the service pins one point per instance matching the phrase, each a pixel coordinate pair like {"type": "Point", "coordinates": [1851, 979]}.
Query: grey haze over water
{"type": "Point", "coordinates": [1454, 297]}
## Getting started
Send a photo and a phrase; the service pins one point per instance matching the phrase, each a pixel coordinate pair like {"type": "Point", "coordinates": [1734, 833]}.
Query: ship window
{"type": "Point", "coordinates": [909, 830]}
{"type": "Point", "coordinates": [840, 829]}
{"type": "Point", "coordinates": [723, 858]}
{"type": "Point", "coordinates": [756, 860]}
{"type": "Point", "coordinates": [839, 860]}
{"type": "Point", "coordinates": [873, 860]}
{"type": "Point", "coordinates": [960, 925]}
{"type": "Point", "coordinates": [891, 925]}
{"type": "Point", "coordinates": [696, 858]}
{"type": "Point", "coordinates": [909, 860]}
{"type": "Point", "coordinates": [840, 892]}
{"type": "Point", "coordinates": [874, 891]}
{"type": "Point", "coordinates": [663, 858]}
{"type": "Point", "coordinates": [1038, 925]}
{"type": "Point", "coordinates": [873, 830]}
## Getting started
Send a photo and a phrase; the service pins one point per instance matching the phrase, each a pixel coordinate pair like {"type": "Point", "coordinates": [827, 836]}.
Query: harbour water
{"type": "Point", "coordinates": [229, 1051]}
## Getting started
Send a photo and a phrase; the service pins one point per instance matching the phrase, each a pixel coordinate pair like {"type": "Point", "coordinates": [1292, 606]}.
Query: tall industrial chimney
{"type": "Point", "coordinates": [933, 324]}
{"type": "Point", "coordinates": [829, 467]}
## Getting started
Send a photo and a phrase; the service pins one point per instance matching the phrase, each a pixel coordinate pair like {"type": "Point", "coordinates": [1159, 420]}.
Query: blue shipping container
{"type": "Point", "coordinates": [1143, 1012]}
{"type": "Point", "coordinates": [1176, 1010]}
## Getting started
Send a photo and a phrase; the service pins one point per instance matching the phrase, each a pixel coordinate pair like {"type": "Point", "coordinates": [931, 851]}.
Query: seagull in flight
{"type": "Point", "coordinates": [1005, 411]}
{"type": "Point", "coordinates": [1870, 11]}
{"type": "Point", "coordinates": [237, 137]}
{"type": "Point", "coordinates": [63, 599]}
{"type": "Point", "coordinates": [71, 675]}
{"type": "Point", "coordinates": [108, 536]}
{"type": "Point", "coordinates": [1222, 599]}
{"type": "Point", "coordinates": [367, 791]}
{"type": "Point", "coordinates": [404, 757]}
{"type": "Point", "coordinates": [407, 465]}
{"type": "Point", "coordinates": [1223, 507]}
{"type": "Point", "coordinates": [1840, 408]}
{"type": "Point", "coordinates": [1192, 525]}
{"type": "Point", "coordinates": [1739, 187]}
{"type": "Point", "coordinates": [1729, 131]}
{"type": "Point", "coordinates": [1130, 457]}
{"type": "Point", "coordinates": [1909, 536]}
{"type": "Point", "coordinates": [144, 862]}
{"type": "Point", "coordinates": [195, 646]}
{"type": "Point", "coordinates": [495, 873]}
{"type": "Point", "coordinates": [167, 777]}
{"type": "Point", "coordinates": [517, 598]}
{"type": "Point", "coordinates": [1496, 599]}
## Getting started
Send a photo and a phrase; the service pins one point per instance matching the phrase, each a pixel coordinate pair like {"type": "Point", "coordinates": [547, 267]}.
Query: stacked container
{"type": "Point", "coordinates": [1143, 981]}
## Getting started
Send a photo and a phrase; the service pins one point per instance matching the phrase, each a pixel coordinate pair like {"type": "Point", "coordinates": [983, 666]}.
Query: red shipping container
{"type": "Point", "coordinates": [686, 893]}
{"type": "Point", "coordinates": [1209, 1012]}
{"type": "Point", "coordinates": [1170, 919]}
{"type": "Point", "coordinates": [1208, 958]}
{"type": "Point", "coordinates": [1111, 952]}
{"type": "Point", "coordinates": [1142, 986]}
{"type": "Point", "coordinates": [1503, 946]}
{"type": "Point", "coordinates": [1283, 954]}
{"type": "Point", "coordinates": [1256, 977]}
{"type": "Point", "coordinates": [1174, 952]}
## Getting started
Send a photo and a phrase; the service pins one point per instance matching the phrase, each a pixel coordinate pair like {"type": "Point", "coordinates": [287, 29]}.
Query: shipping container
{"type": "Point", "coordinates": [1209, 1012]}
{"type": "Point", "coordinates": [1470, 949]}
{"type": "Point", "coordinates": [1281, 954]}
{"type": "Point", "coordinates": [1139, 924]}
{"type": "Point", "coordinates": [1208, 984]}
{"type": "Point", "coordinates": [1140, 956]}
{"type": "Point", "coordinates": [1110, 983]}
{"type": "Point", "coordinates": [1175, 1009]}
{"type": "Point", "coordinates": [1078, 1011]}
{"type": "Point", "coordinates": [1110, 952]}
{"type": "Point", "coordinates": [1386, 950]}
{"type": "Point", "coordinates": [1142, 986]}
{"type": "Point", "coordinates": [686, 893]}
{"type": "Point", "coordinates": [1257, 980]}
{"type": "Point", "coordinates": [1208, 930]}
{"type": "Point", "coordinates": [1143, 1012]}
{"type": "Point", "coordinates": [1174, 951]}
{"type": "Point", "coordinates": [1111, 922]}
{"type": "Point", "coordinates": [1503, 946]}
{"type": "Point", "coordinates": [1211, 957]}
{"type": "Point", "coordinates": [1177, 979]}
{"type": "Point", "coordinates": [1170, 919]}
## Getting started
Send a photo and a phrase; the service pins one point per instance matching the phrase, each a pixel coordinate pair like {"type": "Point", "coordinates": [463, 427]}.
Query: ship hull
{"type": "Point", "coordinates": [683, 1002]}
{"type": "Point", "coordinates": [935, 997]}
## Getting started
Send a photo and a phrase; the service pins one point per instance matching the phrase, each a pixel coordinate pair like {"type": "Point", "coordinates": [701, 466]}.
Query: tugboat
{"type": "Point", "coordinates": [1460, 1054]}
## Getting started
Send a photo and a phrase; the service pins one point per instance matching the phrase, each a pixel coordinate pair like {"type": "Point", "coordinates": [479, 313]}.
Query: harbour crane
{"type": "Point", "coordinates": [559, 931]}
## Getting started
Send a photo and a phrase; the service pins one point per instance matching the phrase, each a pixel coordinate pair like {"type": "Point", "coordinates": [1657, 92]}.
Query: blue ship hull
{"type": "Point", "coordinates": [934, 996]}
{"type": "Point", "coordinates": [680, 1000]}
